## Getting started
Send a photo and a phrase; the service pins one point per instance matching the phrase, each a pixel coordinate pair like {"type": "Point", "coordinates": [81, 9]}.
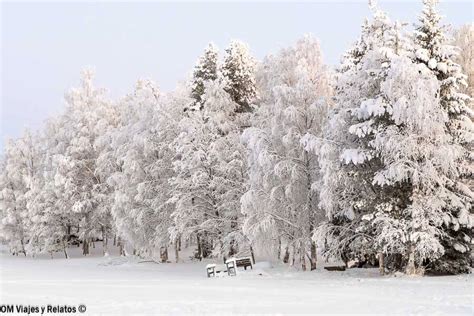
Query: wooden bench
{"type": "Point", "coordinates": [335, 268]}
{"type": "Point", "coordinates": [215, 269]}
{"type": "Point", "coordinates": [233, 263]}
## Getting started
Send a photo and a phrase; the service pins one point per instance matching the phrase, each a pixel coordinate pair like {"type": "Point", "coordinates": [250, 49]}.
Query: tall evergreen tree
{"type": "Point", "coordinates": [433, 49]}
{"type": "Point", "coordinates": [205, 70]}
{"type": "Point", "coordinates": [347, 164]}
{"type": "Point", "coordinates": [238, 70]}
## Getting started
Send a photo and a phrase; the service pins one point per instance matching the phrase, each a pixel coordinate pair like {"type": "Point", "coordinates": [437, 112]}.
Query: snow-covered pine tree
{"type": "Point", "coordinates": [205, 70]}
{"type": "Point", "coordinates": [238, 69]}
{"type": "Point", "coordinates": [433, 49]}
{"type": "Point", "coordinates": [389, 135]}
{"type": "Point", "coordinates": [347, 192]}
{"type": "Point", "coordinates": [281, 205]}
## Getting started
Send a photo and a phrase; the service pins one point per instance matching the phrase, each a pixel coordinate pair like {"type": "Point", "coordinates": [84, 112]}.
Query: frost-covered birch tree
{"type": "Point", "coordinates": [143, 156]}
{"type": "Point", "coordinates": [20, 172]}
{"type": "Point", "coordinates": [281, 205]}
{"type": "Point", "coordinates": [463, 38]}
{"type": "Point", "coordinates": [210, 175]}
{"type": "Point", "coordinates": [81, 189]}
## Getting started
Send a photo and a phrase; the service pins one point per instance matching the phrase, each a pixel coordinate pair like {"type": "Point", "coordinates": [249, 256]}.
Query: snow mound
{"type": "Point", "coordinates": [263, 265]}
{"type": "Point", "coordinates": [118, 261]}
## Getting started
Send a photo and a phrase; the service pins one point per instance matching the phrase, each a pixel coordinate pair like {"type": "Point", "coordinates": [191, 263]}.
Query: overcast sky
{"type": "Point", "coordinates": [45, 45]}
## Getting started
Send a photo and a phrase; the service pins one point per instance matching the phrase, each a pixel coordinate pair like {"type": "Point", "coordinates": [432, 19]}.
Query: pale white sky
{"type": "Point", "coordinates": [45, 45]}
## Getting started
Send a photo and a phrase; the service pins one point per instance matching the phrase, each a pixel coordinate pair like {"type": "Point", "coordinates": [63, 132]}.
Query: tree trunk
{"type": "Point", "coordinates": [65, 247]}
{"type": "Point", "coordinates": [68, 231]}
{"type": "Point", "coordinates": [105, 249]}
{"type": "Point", "coordinates": [164, 254]}
{"type": "Point", "coordinates": [302, 257]}
{"type": "Point", "coordinates": [199, 249]}
{"type": "Point", "coordinates": [176, 250]}
{"type": "Point", "coordinates": [121, 248]}
{"type": "Point", "coordinates": [293, 259]}
{"type": "Point", "coordinates": [279, 249]}
{"type": "Point", "coordinates": [310, 209]}
{"type": "Point", "coordinates": [179, 243]}
{"type": "Point", "coordinates": [252, 254]}
{"type": "Point", "coordinates": [86, 239]}
{"type": "Point", "coordinates": [411, 268]}
{"type": "Point", "coordinates": [232, 251]}
{"type": "Point", "coordinates": [286, 258]}
{"type": "Point", "coordinates": [85, 246]}
{"type": "Point", "coordinates": [23, 247]}
{"type": "Point", "coordinates": [314, 258]}
{"type": "Point", "coordinates": [381, 264]}
{"type": "Point", "coordinates": [205, 245]}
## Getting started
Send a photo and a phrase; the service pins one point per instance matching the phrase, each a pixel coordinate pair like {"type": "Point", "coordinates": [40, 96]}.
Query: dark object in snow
{"type": "Point", "coordinates": [335, 268]}
{"type": "Point", "coordinates": [145, 261]}
{"type": "Point", "coordinates": [73, 240]}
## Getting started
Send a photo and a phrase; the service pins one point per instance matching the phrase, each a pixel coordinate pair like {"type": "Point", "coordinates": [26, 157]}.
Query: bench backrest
{"type": "Point", "coordinates": [243, 262]}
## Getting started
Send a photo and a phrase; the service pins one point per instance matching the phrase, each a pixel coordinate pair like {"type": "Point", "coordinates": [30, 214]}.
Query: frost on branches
{"type": "Point", "coordinates": [347, 193]}
{"type": "Point", "coordinates": [390, 135]}
{"type": "Point", "coordinates": [20, 174]}
{"type": "Point", "coordinates": [464, 40]}
{"type": "Point", "coordinates": [281, 203]}
{"type": "Point", "coordinates": [238, 69]}
{"type": "Point", "coordinates": [433, 49]}
{"type": "Point", "coordinates": [210, 175]}
{"type": "Point", "coordinates": [79, 187]}
{"type": "Point", "coordinates": [269, 159]}
{"type": "Point", "coordinates": [205, 70]}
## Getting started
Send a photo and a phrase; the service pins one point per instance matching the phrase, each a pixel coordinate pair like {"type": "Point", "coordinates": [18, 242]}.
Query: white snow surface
{"type": "Point", "coordinates": [124, 286]}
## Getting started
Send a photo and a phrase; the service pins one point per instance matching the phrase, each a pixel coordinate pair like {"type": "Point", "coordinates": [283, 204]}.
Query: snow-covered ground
{"type": "Point", "coordinates": [119, 286]}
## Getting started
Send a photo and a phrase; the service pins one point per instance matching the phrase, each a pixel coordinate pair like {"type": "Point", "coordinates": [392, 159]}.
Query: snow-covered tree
{"type": "Point", "coordinates": [433, 49]}
{"type": "Point", "coordinates": [210, 175]}
{"type": "Point", "coordinates": [238, 69]}
{"type": "Point", "coordinates": [205, 70]}
{"type": "Point", "coordinates": [281, 205]}
{"type": "Point", "coordinates": [53, 227]}
{"type": "Point", "coordinates": [347, 192]}
{"type": "Point", "coordinates": [464, 39]}
{"type": "Point", "coordinates": [20, 172]}
{"type": "Point", "coordinates": [391, 167]}
{"type": "Point", "coordinates": [81, 188]}
{"type": "Point", "coordinates": [142, 152]}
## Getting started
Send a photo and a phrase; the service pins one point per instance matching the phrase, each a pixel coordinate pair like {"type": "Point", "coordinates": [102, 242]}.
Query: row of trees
{"type": "Point", "coordinates": [283, 157]}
